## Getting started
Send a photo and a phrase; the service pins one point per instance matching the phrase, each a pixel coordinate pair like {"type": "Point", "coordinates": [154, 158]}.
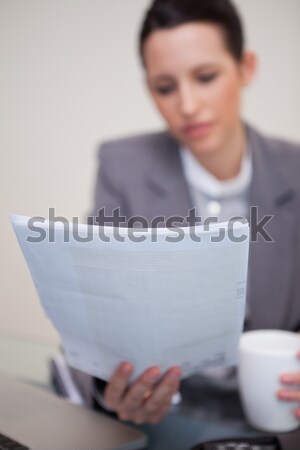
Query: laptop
{"type": "Point", "coordinates": [36, 419]}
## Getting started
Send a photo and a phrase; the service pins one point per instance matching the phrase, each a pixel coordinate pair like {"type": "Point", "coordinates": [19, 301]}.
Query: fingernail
{"type": "Point", "coordinates": [153, 376]}
{"type": "Point", "coordinates": [297, 413]}
{"type": "Point", "coordinates": [287, 379]}
{"type": "Point", "coordinates": [284, 395]}
{"type": "Point", "coordinates": [174, 375]}
{"type": "Point", "coordinates": [126, 369]}
{"type": "Point", "coordinates": [281, 395]}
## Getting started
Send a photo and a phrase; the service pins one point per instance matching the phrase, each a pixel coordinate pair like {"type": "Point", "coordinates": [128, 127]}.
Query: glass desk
{"type": "Point", "coordinates": [208, 411]}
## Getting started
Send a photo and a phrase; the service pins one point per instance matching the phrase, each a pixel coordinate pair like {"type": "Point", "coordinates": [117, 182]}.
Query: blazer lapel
{"type": "Point", "coordinates": [168, 191]}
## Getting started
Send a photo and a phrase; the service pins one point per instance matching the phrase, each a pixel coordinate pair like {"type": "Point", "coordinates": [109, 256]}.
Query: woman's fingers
{"type": "Point", "coordinates": [117, 386]}
{"type": "Point", "coordinates": [163, 393]}
{"type": "Point", "coordinates": [297, 413]}
{"type": "Point", "coordinates": [156, 405]}
{"type": "Point", "coordinates": [132, 403]}
{"type": "Point", "coordinates": [161, 414]}
{"type": "Point", "coordinates": [290, 378]}
{"type": "Point", "coordinates": [146, 400]}
{"type": "Point", "coordinates": [290, 396]}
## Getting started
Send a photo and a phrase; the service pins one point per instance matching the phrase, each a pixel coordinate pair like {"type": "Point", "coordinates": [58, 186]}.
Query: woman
{"type": "Point", "coordinates": [196, 69]}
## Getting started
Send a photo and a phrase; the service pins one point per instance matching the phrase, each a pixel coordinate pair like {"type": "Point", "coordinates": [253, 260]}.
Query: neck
{"type": "Point", "coordinates": [225, 163]}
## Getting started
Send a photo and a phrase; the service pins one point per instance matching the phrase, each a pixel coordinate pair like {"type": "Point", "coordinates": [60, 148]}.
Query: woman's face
{"type": "Point", "coordinates": [196, 84]}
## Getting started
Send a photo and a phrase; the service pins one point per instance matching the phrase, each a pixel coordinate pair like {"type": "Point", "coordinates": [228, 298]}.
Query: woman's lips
{"type": "Point", "coordinates": [197, 129]}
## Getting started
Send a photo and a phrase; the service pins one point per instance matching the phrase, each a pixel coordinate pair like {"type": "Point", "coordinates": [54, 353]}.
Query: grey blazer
{"type": "Point", "coordinates": [143, 176]}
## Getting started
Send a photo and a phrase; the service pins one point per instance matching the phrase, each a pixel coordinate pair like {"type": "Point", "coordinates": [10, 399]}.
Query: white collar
{"type": "Point", "coordinates": [202, 180]}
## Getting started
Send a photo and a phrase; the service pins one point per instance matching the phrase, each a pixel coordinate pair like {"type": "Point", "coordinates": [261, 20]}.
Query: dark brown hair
{"type": "Point", "coordinates": [166, 14]}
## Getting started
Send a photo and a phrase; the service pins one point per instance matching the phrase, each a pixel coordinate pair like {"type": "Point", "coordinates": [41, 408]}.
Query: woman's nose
{"type": "Point", "coordinates": [189, 103]}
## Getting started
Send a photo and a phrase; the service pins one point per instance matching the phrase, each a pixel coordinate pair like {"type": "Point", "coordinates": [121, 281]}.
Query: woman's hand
{"type": "Point", "coordinates": [146, 400]}
{"type": "Point", "coordinates": [291, 380]}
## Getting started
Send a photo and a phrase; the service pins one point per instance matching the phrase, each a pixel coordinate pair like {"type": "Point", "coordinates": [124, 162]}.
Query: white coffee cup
{"type": "Point", "coordinates": [263, 357]}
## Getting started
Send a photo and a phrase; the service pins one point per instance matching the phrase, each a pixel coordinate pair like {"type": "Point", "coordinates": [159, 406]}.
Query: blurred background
{"type": "Point", "coordinates": [70, 78]}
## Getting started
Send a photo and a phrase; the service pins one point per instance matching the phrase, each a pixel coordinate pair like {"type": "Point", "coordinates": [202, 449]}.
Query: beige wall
{"type": "Point", "coordinates": [70, 78]}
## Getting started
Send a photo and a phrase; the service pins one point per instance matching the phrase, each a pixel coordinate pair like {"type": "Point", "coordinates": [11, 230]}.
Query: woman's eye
{"type": "Point", "coordinates": [207, 78]}
{"type": "Point", "coordinates": [164, 90]}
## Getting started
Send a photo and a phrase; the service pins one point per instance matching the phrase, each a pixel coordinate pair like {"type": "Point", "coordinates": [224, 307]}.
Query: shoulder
{"type": "Point", "coordinates": [284, 155]}
{"type": "Point", "coordinates": [132, 157]}
{"type": "Point", "coordinates": [137, 146]}
{"type": "Point", "coordinates": [278, 147]}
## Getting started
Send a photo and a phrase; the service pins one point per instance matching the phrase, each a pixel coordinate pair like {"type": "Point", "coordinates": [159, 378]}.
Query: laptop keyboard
{"type": "Point", "coordinates": [8, 444]}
